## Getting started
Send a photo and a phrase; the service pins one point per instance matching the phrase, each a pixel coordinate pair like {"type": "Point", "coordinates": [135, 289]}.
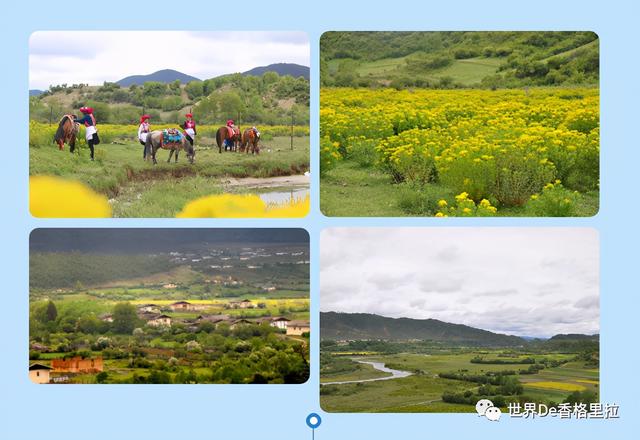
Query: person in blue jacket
{"type": "Point", "coordinates": [91, 132]}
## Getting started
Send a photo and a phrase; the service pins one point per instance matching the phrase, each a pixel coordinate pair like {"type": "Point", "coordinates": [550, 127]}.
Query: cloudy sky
{"type": "Point", "coordinates": [520, 281]}
{"type": "Point", "coordinates": [57, 57]}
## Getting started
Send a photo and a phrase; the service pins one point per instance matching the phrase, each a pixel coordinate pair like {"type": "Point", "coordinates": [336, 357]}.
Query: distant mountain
{"type": "Point", "coordinates": [295, 70]}
{"type": "Point", "coordinates": [35, 92]}
{"type": "Point", "coordinates": [163, 76]}
{"type": "Point", "coordinates": [574, 337]}
{"type": "Point", "coordinates": [354, 326]}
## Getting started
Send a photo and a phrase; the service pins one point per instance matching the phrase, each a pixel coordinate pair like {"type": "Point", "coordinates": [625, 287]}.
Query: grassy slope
{"type": "Point", "coordinates": [138, 189]}
{"type": "Point", "coordinates": [466, 72]}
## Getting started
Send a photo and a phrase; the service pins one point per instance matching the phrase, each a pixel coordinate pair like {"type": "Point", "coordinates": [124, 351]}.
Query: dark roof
{"type": "Point", "coordinates": [279, 318]}
{"type": "Point", "coordinates": [34, 367]}
{"type": "Point", "coordinates": [180, 302]}
{"type": "Point", "coordinates": [299, 324]}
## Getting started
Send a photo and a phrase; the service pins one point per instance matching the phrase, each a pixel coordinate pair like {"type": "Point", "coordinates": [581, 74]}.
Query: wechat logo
{"type": "Point", "coordinates": [485, 408]}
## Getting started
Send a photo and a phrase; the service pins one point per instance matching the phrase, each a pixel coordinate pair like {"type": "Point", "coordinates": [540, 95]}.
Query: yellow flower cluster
{"type": "Point", "coordinates": [243, 206]}
{"type": "Point", "coordinates": [466, 207]}
{"type": "Point", "coordinates": [53, 197]}
{"type": "Point", "coordinates": [503, 145]}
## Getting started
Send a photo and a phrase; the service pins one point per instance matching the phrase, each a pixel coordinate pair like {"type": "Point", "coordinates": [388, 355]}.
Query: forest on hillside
{"type": "Point", "coordinates": [458, 59]}
{"type": "Point", "coordinates": [269, 99]}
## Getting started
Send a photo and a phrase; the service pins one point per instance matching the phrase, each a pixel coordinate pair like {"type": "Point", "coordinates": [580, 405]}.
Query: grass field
{"type": "Point", "coordinates": [136, 188]}
{"type": "Point", "coordinates": [423, 390]}
{"type": "Point", "coordinates": [351, 190]}
{"type": "Point", "coordinates": [467, 72]}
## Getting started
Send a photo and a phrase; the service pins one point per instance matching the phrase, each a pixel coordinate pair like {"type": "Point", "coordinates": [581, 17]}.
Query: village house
{"type": "Point", "coordinates": [180, 305]}
{"type": "Point", "coordinates": [39, 373]}
{"type": "Point", "coordinates": [77, 364]}
{"type": "Point", "coordinates": [279, 322]}
{"type": "Point", "coordinates": [244, 304]}
{"type": "Point", "coordinates": [238, 322]}
{"type": "Point", "coordinates": [187, 306]}
{"type": "Point", "coordinates": [297, 328]}
{"type": "Point", "coordinates": [156, 319]}
{"type": "Point", "coordinates": [169, 286]}
{"type": "Point", "coordinates": [214, 319]}
{"type": "Point", "coordinates": [148, 308]}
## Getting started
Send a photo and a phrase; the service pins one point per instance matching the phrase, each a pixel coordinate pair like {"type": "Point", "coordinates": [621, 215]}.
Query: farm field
{"type": "Point", "coordinates": [426, 390]}
{"type": "Point", "coordinates": [136, 188]}
{"type": "Point", "coordinates": [471, 152]}
{"type": "Point", "coordinates": [216, 313]}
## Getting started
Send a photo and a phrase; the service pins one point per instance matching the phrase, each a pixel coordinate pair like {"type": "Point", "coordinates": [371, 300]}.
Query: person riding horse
{"type": "Point", "coordinates": [143, 131]}
{"type": "Point", "coordinates": [91, 132]}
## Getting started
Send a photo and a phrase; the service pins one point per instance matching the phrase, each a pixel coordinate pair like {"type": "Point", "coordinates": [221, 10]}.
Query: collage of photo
{"type": "Point", "coordinates": [427, 318]}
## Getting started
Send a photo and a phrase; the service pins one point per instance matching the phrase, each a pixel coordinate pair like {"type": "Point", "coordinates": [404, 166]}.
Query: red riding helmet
{"type": "Point", "coordinates": [189, 115]}
{"type": "Point", "coordinates": [230, 122]}
{"type": "Point", "coordinates": [86, 110]}
{"type": "Point", "coordinates": [144, 118]}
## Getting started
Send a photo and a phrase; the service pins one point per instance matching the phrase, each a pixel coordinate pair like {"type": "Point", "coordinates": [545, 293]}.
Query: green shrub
{"type": "Point", "coordinates": [554, 201]}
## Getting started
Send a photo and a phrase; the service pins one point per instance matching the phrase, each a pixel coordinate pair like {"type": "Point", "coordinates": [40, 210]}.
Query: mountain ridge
{"type": "Point", "coordinates": [163, 76]}
{"type": "Point", "coordinates": [346, 326]}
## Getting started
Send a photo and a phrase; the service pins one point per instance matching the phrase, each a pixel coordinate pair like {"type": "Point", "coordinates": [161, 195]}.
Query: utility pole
{"type": "Point", "coordinates": [291, 128]}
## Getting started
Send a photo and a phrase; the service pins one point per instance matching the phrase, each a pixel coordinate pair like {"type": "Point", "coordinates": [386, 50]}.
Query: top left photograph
{"type": "Point", "coordinates": [168, 124]}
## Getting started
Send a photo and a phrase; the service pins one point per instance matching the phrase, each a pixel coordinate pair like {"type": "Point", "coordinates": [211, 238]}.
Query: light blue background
{"type": "Point", "coordinates": [29, 411]}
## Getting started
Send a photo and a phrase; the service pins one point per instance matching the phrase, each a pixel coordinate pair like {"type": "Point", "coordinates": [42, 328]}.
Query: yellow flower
{"type": "Point", "coordinates": [534, 196]}
{"type": "Point", "coordinates": [242, 206]}
{"type": "Point", "coordinates": [59, 198]}
{"type": "Point", "coordinates": [439, 214]}
{"type": "Point", "coordinates": [442, 203]}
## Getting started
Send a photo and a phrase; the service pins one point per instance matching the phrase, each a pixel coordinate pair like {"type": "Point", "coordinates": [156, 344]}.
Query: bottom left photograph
{"type": "Point", "coordinates": [169, 306]}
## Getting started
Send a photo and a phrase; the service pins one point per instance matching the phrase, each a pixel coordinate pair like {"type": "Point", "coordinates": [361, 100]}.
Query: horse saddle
{"type": "Point", "coordinates": [233, 131]}
{"type": "Point", "coordinates": [171, 136]}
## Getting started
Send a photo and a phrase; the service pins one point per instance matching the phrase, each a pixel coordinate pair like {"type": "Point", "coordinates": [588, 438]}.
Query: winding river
{"type": "Point", "coordinates": [395, 374]}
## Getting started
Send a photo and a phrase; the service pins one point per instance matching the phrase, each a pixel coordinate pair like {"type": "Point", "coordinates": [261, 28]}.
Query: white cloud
{"type": "Point", "coordinates": [523, 281]}
{"type": "Point", "coordinates": [57, 57]}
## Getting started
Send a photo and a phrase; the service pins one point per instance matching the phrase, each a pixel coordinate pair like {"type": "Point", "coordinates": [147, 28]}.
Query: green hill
{"type": "Point", "coordinates": [364, 326]}
{"type": "Point", "coordinates": [458, 59]}
{"type": "Point", "coordinates": [268, 99]}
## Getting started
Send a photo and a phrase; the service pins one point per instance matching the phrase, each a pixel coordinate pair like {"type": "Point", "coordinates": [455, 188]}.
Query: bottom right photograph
{"type": "Point", "coordinates": [446, 320]}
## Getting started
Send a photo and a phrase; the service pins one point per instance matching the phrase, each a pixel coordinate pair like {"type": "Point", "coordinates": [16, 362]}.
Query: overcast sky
{"type": "Point", "coordinates": [520, 281]}
{"type": "Point", "coordinates": [57, 57]}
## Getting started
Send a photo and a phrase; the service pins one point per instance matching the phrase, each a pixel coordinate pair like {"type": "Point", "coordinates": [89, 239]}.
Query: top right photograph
{"type": "Point", "coordinates": [459, 124]}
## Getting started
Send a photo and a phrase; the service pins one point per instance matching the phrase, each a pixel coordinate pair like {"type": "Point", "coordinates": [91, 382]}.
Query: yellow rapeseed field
{"type": "Point", "coordinates": [561, 386]}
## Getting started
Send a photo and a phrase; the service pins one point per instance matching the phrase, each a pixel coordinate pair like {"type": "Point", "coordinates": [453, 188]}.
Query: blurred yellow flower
{"type": "Point", "coordinates": [54, 197]}
{"type": "Point", "coordinates": [242, 206]}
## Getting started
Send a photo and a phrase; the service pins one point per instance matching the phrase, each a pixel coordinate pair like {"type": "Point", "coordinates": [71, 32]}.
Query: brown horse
{"type": "Point", "coordinates": [250, 139]}
{"type": "Point", "coordinates": [66, 132]}
{"type": "Point", "coordinates": [223, 135]}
